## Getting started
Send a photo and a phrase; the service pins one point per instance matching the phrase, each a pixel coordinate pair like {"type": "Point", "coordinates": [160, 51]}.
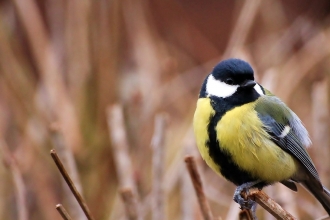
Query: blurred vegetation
{"type": "Point", "coordinates": [64, 63]}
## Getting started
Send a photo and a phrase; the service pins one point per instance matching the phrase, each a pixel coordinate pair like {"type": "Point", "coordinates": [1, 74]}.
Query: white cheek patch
{"type": "Point", "coordinates": [258, 89]}
{"type": "Point", "coordinates": [218, 88]}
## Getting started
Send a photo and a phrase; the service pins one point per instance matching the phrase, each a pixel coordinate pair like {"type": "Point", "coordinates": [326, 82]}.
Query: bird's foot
{"type": "Point", "coordinates": [245, 203]}
{"type": "Point", "coordinates": [253, 210]}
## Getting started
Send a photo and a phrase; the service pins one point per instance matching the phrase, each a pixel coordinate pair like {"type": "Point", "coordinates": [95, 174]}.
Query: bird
{"type": "Point", "coordinates": [251, 137]}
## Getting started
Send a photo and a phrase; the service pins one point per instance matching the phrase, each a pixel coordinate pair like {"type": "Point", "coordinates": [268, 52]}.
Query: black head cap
{"type": "Point", "coordinates": [236, 69]}
{"type": "Point", "coordinates": [233, 72]}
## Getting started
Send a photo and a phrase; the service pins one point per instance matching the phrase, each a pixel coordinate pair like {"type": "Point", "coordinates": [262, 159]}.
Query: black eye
{"type": "Point", "coordinates": [229, 81]}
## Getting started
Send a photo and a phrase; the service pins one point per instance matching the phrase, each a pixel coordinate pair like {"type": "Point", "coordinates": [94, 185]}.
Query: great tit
{"type": "Point", "coordinates": [250, 137]}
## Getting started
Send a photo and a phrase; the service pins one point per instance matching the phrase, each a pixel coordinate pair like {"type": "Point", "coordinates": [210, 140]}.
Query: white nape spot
{"type": "Point", "coordinates": [218, 88]}
{"type": "Point", "coordinates": [258, 89]}
{"type": "Point", "coordinates": [285, 132]}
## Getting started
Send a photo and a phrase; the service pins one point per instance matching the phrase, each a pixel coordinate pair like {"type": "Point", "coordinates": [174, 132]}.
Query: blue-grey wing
{"type": "Point", "coordinates": [286, 129]}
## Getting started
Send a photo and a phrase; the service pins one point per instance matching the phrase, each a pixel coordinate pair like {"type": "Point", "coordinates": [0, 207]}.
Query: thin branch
{"type": "Point", "coordinates": [130, 203]}
{"type": "Point", "coordinates": [157, 145]}
{"type": "Point", "coordinates": [303, 61]}
{"type": "Point", "coordinates": [324, 218]}
{"type": "Point", "coordinates": [68, 161]}
{"type": "Point", "coordinates": [267, 203]}
{"type": "Point", "coordinates": [245, 215]}
{"type": "Point", "coordinates": [118, 137]}
{"type": "Point", "coordinates": [68, 180]}
{"type": "Point", "coordinates": [65, 215]}
{"type": "Point", "coordinates": [187, 202]}
{"type": "Point", "coordinates": [233, 210]}
{"type": "Point", "coordinates": [197, 182]}
{"type": "Point", "coordinates": [287, 199]}
{"type": "Point", "coordinates": [58, 102]}
{"type": "Point", "coordinates": [188, 199]}
{"type": "Point", "coordinates": [20, 190]}
{"type": "Point", "coordinates": [242, 27]}
{"type": "Point", "coordinates": [78, 46]}
{"type": "Point", "coordinates": [260, 197]}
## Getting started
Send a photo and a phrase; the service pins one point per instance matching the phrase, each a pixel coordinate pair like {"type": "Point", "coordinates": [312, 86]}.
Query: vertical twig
{"type": "Point", "coordinates": [18, 181]}
{"type": "Point", "coordinates": [245, 215]}
{"type": "Point", "coordinates": [108, 39]}
{"type": "Point", "coordinates": [130, 203]}
{"type": "Point", "coordinates": [78, 45]}
{"type": "Point", "coordinates": [242, 27]}
{"type": "Point", "coordinates": [73, 189]}
{"type": "Point", "coordinates": [59, 105]}
{"type": "Point", "coordinates": [287, 199]}
{"type": "Point", "coordinates": [157, 145]}
{"type": "Point", "coordinates": [188, 200]}
{"type": "Point", "coordinates": [68, 161]}
{"type": "Point", "coordinates": [315, 50]}
{"type": "Point", "coordinates": [144, 50]}
{"type": "Point", "coordinates": [233, 211]}
{"type": "Point", "coordinates": [118, 136]}
{"type": "Point", "coordinates": [321, 127]}
{"type": "Point", "coordinates": [197, 182]}
{"type": "Point", "coordinates": [65, 215]}
{"type": "Point", "coordinates": [324, 218]}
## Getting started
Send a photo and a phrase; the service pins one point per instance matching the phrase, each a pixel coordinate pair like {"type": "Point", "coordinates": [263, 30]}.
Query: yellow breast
{"type": "Point", "coordinates": [239, 133]}
{"type": "Point", "coordinates": [203, 113]}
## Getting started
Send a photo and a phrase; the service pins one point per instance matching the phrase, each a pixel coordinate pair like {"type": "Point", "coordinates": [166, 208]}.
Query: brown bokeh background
{"type": "Point", "coordinates": [65, 64]}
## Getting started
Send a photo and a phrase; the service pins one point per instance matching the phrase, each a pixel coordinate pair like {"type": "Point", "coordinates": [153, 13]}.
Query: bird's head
{"type": "Point", "coordinates": [228, 77]}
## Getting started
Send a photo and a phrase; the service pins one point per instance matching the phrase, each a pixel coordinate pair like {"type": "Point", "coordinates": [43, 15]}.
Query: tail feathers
{"type": "Point", "coordinates": [326, 191]}
{"type": "Point", "coordinates": [290, 184]}
{"type": "Point", "coordinates": [321, 194]}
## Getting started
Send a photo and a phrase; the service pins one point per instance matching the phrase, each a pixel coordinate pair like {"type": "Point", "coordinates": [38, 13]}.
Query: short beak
{"type": "Point", "coordinates": [248, 84]}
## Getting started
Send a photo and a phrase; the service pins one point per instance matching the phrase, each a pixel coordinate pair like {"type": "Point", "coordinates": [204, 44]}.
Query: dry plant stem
{"type": "Point", "coordinates": [171, 177]}
{"type": "Point", "coordinates": [287, 200]}
{"type": "Point", "coordinates": [130, 203]}
{"type": "Point", "coordinates": [187, 202]}
{"type": "Point", "coordinates": [321, 127]}
{"type": "Point", "coordinates": [245, 215]}
{"type": "Point", "coordinates": [270, 205]}
{"type": "Point", "coordinates": [197, 182]}
{"type": "Point", "coordinates": [118, 136]}
{"type": "Point", "coordinates": [120, 146]}
{"type": "Point", "coordinates": [144, 50]}
{"type": "Point", "coordinates": [78, 45]}
{"type": "Point", "coordinates": [42, 50]}
{"type": "Point", "coordinates": [242, 27]}
{"type": "Point", "coordinates": [233, 210]}
{"type": "Point", "coordinates": [303, 61]}
{"type": "Point", "coordinates": [157, 145]}
{"type": "Point", "coordinates": [65, 215]}
{"type": "Point", "coordinates": [324, 218]}
{"type": "Point", "coordinates": [68, 161]}
{"type": "Point", "coordinates": [188, 199]}
{"type": "Point", "coordinates": [17, 179]}
{"type": "Point", "coordinates": [20, 192]}
{"type": "Point", "coordinates": [73, 189]}
{"type": "Point", "coordinates": [13, 74]}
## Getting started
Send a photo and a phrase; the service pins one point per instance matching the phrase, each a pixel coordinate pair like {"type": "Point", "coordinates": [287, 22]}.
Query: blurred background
{"type": "Point", "coordinates": [88, 78]}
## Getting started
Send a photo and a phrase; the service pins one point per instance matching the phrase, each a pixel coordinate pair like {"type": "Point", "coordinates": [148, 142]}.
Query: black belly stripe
{"type": "Point", "coordinates": [221, 157]}
{"type": "Point", "coordinates": [228, 168]}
